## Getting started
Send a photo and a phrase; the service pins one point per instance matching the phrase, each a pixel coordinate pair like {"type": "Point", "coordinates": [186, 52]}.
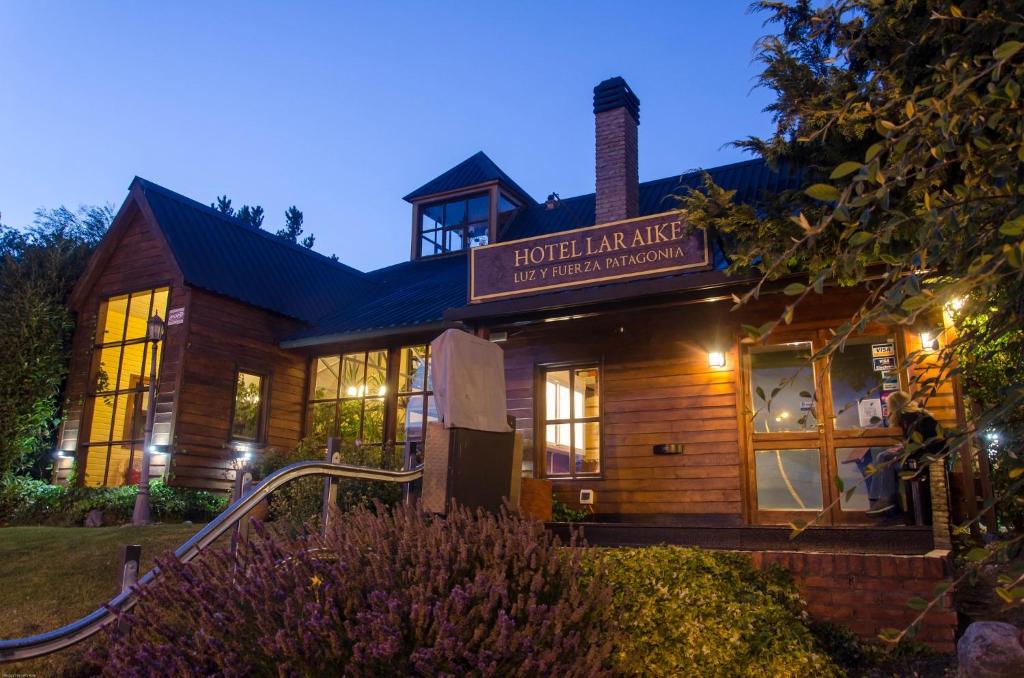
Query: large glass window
{"type": "Point", "coordinates": [782, 388]}
{"type": "Point", "coordinates": [860, 382]}
{"type": "Point", "coordinates": [455, 225]}
{"type": "Point", "coordinates": [572, 421]}
{"type": "Point", "coordinates": [348, 398]}
{"type": "Point", "coordinates": [415, 401]}
{"type": "Point", "coordinates": [118, 396]}
{"type": "Point", "coordinates": [247, 419]}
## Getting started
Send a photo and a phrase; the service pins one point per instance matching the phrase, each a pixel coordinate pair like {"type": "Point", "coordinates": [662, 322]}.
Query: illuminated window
{"type": "Point", "coordinates": [118, 396]}
{"type": "Point", "coordinates": [572, 421]}
{"type": "Point", "coordinates": [455, 225]}
{"type": "Point", "coordinates": [247, 421]}
{"type": "Point", "coordinates": [415, 400]}
{"type": "Point", "coordinates": [348, 396]}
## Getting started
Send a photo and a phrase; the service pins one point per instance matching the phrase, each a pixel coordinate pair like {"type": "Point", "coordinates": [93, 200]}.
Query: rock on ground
{"type": "Point", "coordinates": [991, 649]}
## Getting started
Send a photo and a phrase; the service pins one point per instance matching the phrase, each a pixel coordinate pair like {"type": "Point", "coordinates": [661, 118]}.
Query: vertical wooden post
{"type": "Point", "coordinates": [243, 479]}
{"type": "Point", "coordinates": [131, 556]}
{"type": "Point", "coordinates": [329, 509]}
{"type": "Point", "coordinates": [984, 476]}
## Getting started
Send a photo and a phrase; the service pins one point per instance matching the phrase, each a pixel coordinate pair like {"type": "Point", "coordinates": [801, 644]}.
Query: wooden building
{"type": "Point", "coordinates": [624, 366]}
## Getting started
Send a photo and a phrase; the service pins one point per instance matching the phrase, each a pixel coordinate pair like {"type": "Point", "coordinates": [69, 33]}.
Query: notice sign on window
{"type": "Point", "coordinates": [646, 247]}
{"type": "Point", "coordinates": [176, 316]}
{"type": "Point", "coordinates": [883, 364]}
{"type": "Point", "coordinates": [883, 350]}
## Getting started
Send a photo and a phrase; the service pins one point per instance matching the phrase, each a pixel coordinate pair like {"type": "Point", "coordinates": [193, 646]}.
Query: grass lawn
{"type": "Point", "coordinates": [50, 576]}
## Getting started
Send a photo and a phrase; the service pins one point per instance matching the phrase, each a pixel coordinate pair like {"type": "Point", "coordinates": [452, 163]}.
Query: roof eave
{"type": "Point", "coordinates": [364, 335]}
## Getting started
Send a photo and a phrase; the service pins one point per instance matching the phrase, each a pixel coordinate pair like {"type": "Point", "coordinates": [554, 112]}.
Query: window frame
{"type": "Point", "coordinates": [85, 446]}
{"type": "Point", "coordinates": [824, 437]}
{"type": "Point", "coordinates": [541, 421]}
{"type": "Point", "coordinates": [444, 232]}
{"type": "Point", "coordinates": [262, 417]}
{"type": "Point", "coordinates": [311, 402]}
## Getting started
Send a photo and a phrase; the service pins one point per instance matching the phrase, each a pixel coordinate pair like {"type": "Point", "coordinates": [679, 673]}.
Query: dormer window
{"type": "Point", "coordinates": [455, 225]}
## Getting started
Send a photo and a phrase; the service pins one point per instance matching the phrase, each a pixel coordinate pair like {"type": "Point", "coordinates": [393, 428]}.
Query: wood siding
{"type": "Point", "coordinates": [139, 260]}
{"type": "Point", "coordinates": [224, 336]}
{"type": "Point", "coordinates": [658, 388]}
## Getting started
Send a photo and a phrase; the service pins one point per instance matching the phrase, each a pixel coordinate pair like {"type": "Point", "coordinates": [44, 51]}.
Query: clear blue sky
{"type": "Point", "coordinates": [343, 108]}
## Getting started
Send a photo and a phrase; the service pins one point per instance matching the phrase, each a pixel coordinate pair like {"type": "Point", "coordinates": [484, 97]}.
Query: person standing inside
{"type": "Point", "coordinates": [923, 435]}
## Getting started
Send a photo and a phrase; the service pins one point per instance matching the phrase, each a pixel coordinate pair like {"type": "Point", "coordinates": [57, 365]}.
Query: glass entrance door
{"type": "Point", "coordinates": [809, 422]}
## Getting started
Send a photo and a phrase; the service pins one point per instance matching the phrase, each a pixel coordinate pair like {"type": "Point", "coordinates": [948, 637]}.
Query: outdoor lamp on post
{"type": "Point", "coordinates": [154, 334]}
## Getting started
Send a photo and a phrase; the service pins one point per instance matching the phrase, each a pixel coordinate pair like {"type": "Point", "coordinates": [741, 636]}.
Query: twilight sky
{"type": "Point", "coordinates": [343, 108]}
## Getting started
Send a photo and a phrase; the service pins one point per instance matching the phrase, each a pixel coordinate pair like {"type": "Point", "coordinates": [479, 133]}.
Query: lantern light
{"type": "Point", "coordinates": [929, 341]}
{"type": "Point", "coordinates": [716, 359]}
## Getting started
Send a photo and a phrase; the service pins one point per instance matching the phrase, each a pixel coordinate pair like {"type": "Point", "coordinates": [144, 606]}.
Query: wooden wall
{"type": "Point", "coordinates": [658, 388]}
{"type": "Point", "coordinates": [139, 260]}
{"type": "Point", "coordinates": [223, 336]}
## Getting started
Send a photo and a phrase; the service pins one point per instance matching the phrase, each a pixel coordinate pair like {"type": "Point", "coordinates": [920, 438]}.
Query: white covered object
{"type": "Point", "coordinates": [469, 382]}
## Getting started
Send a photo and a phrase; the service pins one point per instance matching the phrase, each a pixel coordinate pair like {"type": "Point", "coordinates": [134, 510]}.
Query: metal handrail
{"type": "Point", "coordinates": [19, 649]}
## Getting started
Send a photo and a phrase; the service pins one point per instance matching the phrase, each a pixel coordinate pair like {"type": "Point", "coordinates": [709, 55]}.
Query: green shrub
{"type": "Point", "coordinates": [28, 501]}
{"type": "Point", "coordinates": [689, 612]}
{"type": "Point", "coordinates": [300, 500]}
{"type": "Point", "coordinates": [385, 593]}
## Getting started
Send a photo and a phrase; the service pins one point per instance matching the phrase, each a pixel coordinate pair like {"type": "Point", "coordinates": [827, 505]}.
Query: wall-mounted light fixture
{"type": "Point", "coordinates": [716, 359]}
{"type": "Point", "coordinates": [929, 341]}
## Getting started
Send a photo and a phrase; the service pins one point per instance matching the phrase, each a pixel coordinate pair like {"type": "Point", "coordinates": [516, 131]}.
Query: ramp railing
{"type": "Point", "coordinates": [20, 649]}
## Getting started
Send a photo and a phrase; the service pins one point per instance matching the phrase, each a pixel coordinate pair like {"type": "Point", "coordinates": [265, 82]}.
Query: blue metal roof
{"type": "Point", "coordinates": [417, 293]}
{"type": "Point", "coordinates": [224, 255]}
{"type": "Point", "coordinates": [751, 179]}
{"type": "Point", "coordinates": [476, 169]}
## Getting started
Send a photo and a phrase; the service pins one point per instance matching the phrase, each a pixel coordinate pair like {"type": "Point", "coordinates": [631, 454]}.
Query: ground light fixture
{"type": "Point", "coordinates": [154, 334]}
{"type": "Point", "coordinates": [716, 359]}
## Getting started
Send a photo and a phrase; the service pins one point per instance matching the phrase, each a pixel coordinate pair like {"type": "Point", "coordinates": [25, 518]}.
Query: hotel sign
{"type": "Point", "coordinates": [645, 247]}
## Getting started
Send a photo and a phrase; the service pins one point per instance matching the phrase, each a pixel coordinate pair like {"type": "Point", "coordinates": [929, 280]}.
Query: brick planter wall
{"type": "Point", "coordinates": [868, 592]}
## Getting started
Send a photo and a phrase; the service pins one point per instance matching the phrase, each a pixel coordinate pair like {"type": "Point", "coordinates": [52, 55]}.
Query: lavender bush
{"type": "Point", "coordinates": [386, 593]}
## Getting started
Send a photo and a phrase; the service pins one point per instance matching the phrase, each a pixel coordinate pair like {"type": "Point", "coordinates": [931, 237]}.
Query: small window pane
{"type": "Point", "coordinates": [478, 234]}
{"type": "Point", "coordinates": [480, 208]}
{"type": "Point", "coordinates": [160, 298]}
{"type": "Point", "coordinates": [95, 465]}
{"type": "Point", "coordinates": [412, 369]}
{"type": "Point", "coordinates": [248, 406]}
{"type": "Point", "coordinates": [123, 410]}
{"type": "Point", "coordinates": [325, 385]}
{"type": "Point", "coordinates": [102, 418]}
{"type": "Point", "coordinates": [321, 425]}
{"type": "Point", "coordinates": [353, 371]}
{"type": "Point", "coordinates": [585, 396]}
{"type": "Point", "coordinates": [505, 205]}
{"type": "Point", "coordinates": [350, 413]}
{"type": "Point", "coordinates": [132, 365]}
{"type": "Point", "coordinates": [138, 315]}
{"type": "Point", "coordinates": [432, 217]}
{"type": "Point", "coordinates": [376, 373]}
{"type": "Point", "coordinates": [455, 214]}
{"type": "Point", "coordinates": [105, 378]}
{"type": "Point", "coordinates": [454, 239]}
{"type": "Point", "coordinates": [113, 316]}
{"type": "Point", "coordinates": [557, 449]}
{"type": "Point", "coordinates": [118, 468]}
{"type": "Point", "coordinates": [556, 394]}
{"type": "Point", "coordinates": [410, 418]}
{"type": "Point", "coordinates": [588, 447]}
{"type": "Point", "coordinates": [787, 369]}
{"type": "Point", "coordinates": [857, 387]}
{"type": "Point", "coordinates": [788, 480]}
{"type": "Point", "coordinates": [373, 421]}
{"type": "Point", "coordinates": [871, 472]}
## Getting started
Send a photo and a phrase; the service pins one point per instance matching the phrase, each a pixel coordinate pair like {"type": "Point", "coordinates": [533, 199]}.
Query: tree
{"type": "Point", "coordinates": [254, 217]}
{"type": "Point", "coordinates": [38, 268]}
{"type": "Point", "coordinates": [908, 120]}
{"type": "Point", "coordinates": [293, 228]}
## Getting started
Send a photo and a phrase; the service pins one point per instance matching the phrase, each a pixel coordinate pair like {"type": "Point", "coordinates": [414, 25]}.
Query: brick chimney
{"type": "Point", "coordinates": [616, 118]}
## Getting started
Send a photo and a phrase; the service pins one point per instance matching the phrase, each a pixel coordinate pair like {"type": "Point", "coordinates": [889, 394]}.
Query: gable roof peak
{"type": "Point", "coordinates": [476, 169]}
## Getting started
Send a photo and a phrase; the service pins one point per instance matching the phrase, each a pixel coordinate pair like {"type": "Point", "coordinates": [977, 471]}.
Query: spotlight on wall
{"type": "Point", "coordinates": [929, 341]}
{"type": "Point", "coordinates": [716, 359]}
